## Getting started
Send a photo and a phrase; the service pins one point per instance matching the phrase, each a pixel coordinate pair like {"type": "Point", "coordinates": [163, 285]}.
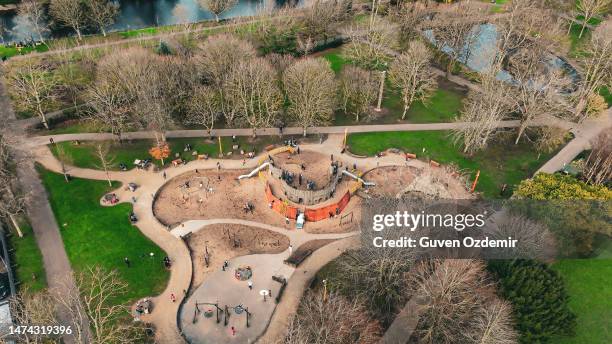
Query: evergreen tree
{"type": "Point", "coordinates": [538, 296]}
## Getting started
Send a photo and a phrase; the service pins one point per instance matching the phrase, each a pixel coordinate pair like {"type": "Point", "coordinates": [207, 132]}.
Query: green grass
{"type": "Point", "coordinates": [503, 163]}
{"type": "Point", "coordinates": [82, 155]}
{"type": "Point", "coordinates": [588, 283]}
{"type": "Point", "coordinates": [12, 51]}
{"type": "Point", "coordinates": [335, 58]}
{"type": "Point", "coordinates": [443, 106]}
{"type": "Point", "coordinates": [29, 271]}
{"type": "Point", "coordinates": [96, 235]}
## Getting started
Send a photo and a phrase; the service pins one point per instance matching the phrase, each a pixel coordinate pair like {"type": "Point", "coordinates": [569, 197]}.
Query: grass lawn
{"type": "Point", "coordinates": [588, 283]}
{"type": "Point", "coordinates": [96, 235]}
{"type": "Point", "coordinates": [335, 58]}
{"type": "Point", "coordinates": [499, 164]}
{"type": "Point", "coordinates": [82, 155]}
{"type": "Point", "coordinates": [443, 106]}
{"type": "Point", "coordinates": [29, 271]}
{"type": "Point", "coordinates": [12, 51]}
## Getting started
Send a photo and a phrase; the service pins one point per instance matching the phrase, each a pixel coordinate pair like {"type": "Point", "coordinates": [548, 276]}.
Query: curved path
{"type": "Point", "coordinates": [170, 241]}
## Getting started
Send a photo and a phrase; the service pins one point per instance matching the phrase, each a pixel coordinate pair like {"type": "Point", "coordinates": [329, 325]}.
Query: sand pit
{"type": "Point", "coordinates": [220, 195]}
{"type": "Point", "coordinates": [428, 182]}
{"type": "Point", "coordinates": [220, 242]}
{"type": "Point", "coordinates": [175, 203]}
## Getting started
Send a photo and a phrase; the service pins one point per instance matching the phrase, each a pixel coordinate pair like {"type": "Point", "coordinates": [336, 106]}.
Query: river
{"type": "Point", "coordinates": [135, 14]}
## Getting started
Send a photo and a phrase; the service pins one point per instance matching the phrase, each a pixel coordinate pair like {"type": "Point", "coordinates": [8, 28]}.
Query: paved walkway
{"type": "Point", "coordinates": [170, 241]}
{"type": "Point", "coordinates": [58, 272]}
{"type": "Point", "coordinates": [351, 129]}
{"type": "Point", "coordinates": [298, 283]}
{"type": "Point", "coordinates": [583, 134]}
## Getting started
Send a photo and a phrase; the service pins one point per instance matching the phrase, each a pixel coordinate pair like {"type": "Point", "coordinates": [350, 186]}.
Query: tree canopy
{"type": "Point", "coordinates": [538, 297]}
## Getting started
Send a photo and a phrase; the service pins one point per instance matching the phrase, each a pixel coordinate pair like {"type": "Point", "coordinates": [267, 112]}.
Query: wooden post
{"type": "Point", "coordinates": [345, 137]}
{"type": "Point", "coordinates": [380, 91]}
{"type": "Point", "coordinates": [16, 225]}
{"type": "Point", "coordinates": [324, 290]}
{"type": "Point", "coordinates": [475, 182]}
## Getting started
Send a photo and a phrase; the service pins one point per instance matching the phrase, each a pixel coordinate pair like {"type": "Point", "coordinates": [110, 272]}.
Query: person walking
{"type": "Point", "coordinates": [127, 262]}
{"type": "Point", "coordinates": [233, 329]}
{"type": "Point", "coordinates": [250, 283]}
{"type": "Point", "coordinates": [172, 297]}
{"type": "Point", "coordinates": [290, 249]}
{"type": "Point", "coordinates": [164, 175]}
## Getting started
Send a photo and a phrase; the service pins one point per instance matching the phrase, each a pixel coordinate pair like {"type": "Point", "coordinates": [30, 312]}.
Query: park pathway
{"type": "Point", "coordinates": [298, 284]}
{"type": "Point", "coordinates": [350, 129]}
{"type": "Point", "coordinates": [58, 272]}
{"type": "Point", "coordinates": [583, 133]}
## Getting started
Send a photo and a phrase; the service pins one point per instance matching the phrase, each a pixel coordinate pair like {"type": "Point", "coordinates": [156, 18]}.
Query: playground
{"type": "Point", "coordinates": [426, 182]}
{"type": "Point", "coordinates": [237, 231]}
{"type": "Point", "coordinates": [215, 244]}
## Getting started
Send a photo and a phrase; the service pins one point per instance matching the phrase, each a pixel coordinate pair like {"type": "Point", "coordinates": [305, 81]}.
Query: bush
{"type": "Point", "coordinates": [538, 297]}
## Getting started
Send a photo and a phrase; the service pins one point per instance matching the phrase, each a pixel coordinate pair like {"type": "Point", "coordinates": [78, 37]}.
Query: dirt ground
{"type": "Point", "coordinates": [432, 182]}
{"type": "Point", "coordinates": [389, 180]}
{"type": "Point", "coordinates": [317, 167]}
{"type": "Point", "coordinates": [176, 203]}
{"type": "Point", "coordinates": [219, 240]}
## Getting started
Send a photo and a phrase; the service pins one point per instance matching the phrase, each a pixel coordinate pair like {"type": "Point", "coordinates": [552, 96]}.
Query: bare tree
{"type": "Point", "coordinates": [63, 157]}
{"type": "Point", "coordinates": [537, 242]}
{"type": "Point", "coordinates": [33, 309]}
{"type": "Point", "coordinates": [460, 308]}
{"type": "Point", "coordinates": [105, 160]}
{"type": "Point", "coordinates": [371, 44]}
{"type": "Point", "coordinates": [482, 112]}
{"type": "Point", "coordinates": [217, 6]}
{"type": "Point", "coordinates": [332, 320]}
{"type": "Point", "coordinates": [34, 87]}
{"type": "Point", "coordinates": [589, 9]}
{"type": "Point", "coordinates": [411, 73]}
{"type": "Point", "coordinates": [320, 20]}
{"type": "Point", "coordinates": [529, 28]}
{"type": "Point", "coordinates": [203, 108]}
{"type": "Point", "coordinates": [252, 90]}
{"type": "Point", "coordinates": [108, 106]}
{"type": "Point", "coordinates": [598, 165]}
{"type": "Point", "coordinates": [410, 15]}
{"type": "Point", "coordinates": [102, 13]}
{"type": "Point", "coordinates": [358, 89]}
{"type": "Point", "coordinates": [538, 95]}
{"type": "Point", "coordinates": [494, 325]}
{"type": "Point", "coordinates": [91, 305]}
{"type": "Point", "coordinates": [150, 84]}
{"type": "Point", "coordinates": [310, 87]}
{"type": "Point", "coordinates": [549, 138]}
{"type": "Point", "coordinates": [214, 62]}
{"type": "Point", "coordinates": [596, 65]}
{"type": "Point", "coordinates": [33, 12]}
{"type": "Point", "coordinates": [280, 62]}
{"type": "Point", "coordinates": [455, 29]}
{"type": "Point", "coordinates": [70, 13]}
{"type": "Point", "coordinates": [12, 200]}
